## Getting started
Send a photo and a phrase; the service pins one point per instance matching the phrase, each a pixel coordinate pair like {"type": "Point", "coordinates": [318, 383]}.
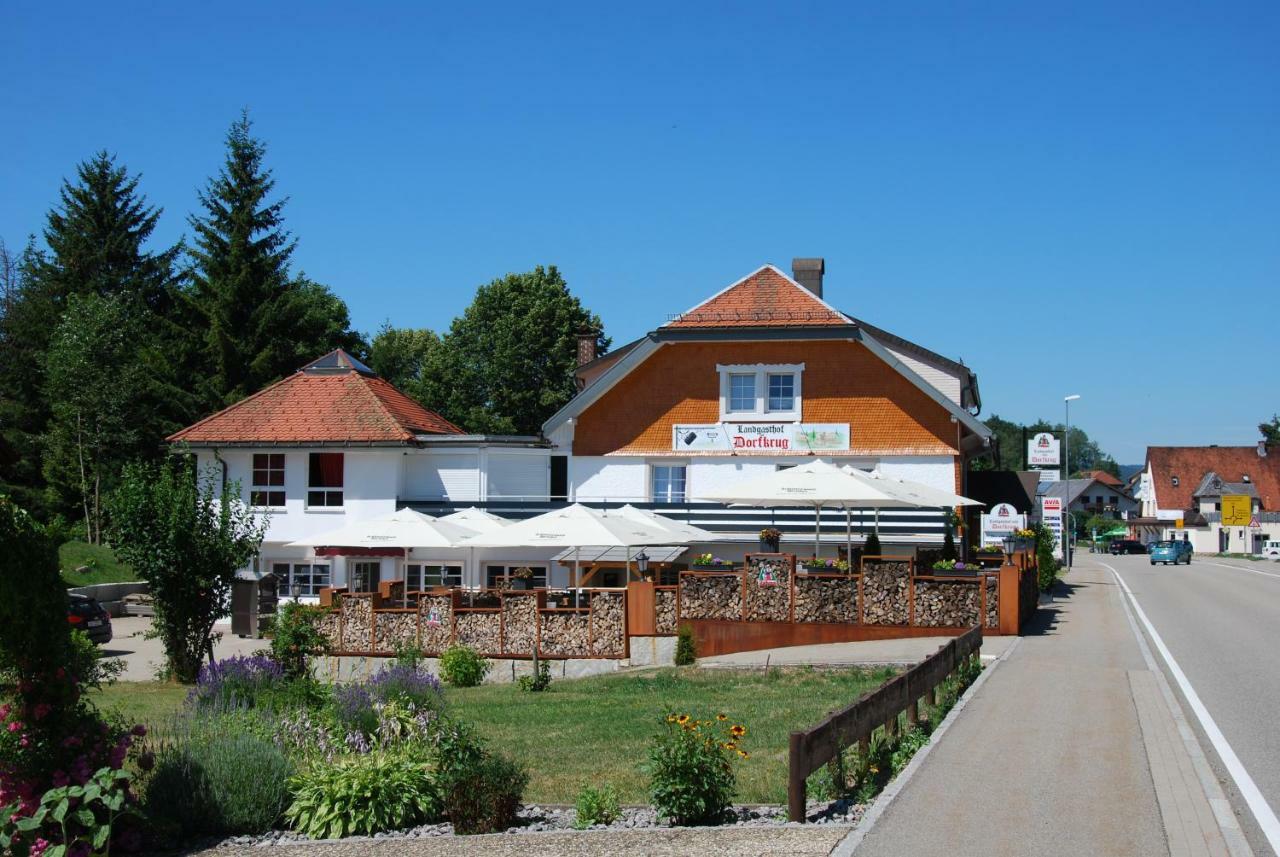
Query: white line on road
{"type": "Point", "coordinates": [1240, 568]}
{"type": "Point", "coordinates": [1265, 816]}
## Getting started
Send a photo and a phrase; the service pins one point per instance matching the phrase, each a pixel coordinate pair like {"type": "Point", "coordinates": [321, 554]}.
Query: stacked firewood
{"type": "Point", "coordinates": [711, 597]}
{"type": "Point", "coordinates": [519, 623]}
{"type": "Point", "coordinates": [564, 634]}
{"type": "Point", "coordinates": [435, 621]}
{"type": "Point", "coordinates": [664, 606]}
{"type": "Point", "coordinates": [993, 601]}
{"type": "Point", "coordinates": [608, 632]}
{"type": "Point", "coordinates": [826, 599]}
{"type": "Point", "coordinates": [357, 622]}
{"type": "Point", "coordinates": [329, 625]}
{"type": "Point", "coordinates": [884, 593]}
{"type": "Point", "coordinates": [395, 631]}
{"type": "Point", "coordinates": [480, 631]}
{"type": "Point", "coordinates": [946, 603]}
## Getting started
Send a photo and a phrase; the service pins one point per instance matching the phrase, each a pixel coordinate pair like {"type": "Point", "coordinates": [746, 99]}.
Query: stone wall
{"type": "Point", "coordinates": [436, 623]}
{"type": "Point", "coordinates": [711, 596]}
{"type": "Point", "coordinates": [395, 631]}
{"type": "Point", "coordinates": [519, 623]}
{"type": "Point", "coordinates": [826, 599]}
{"type": "Point", "coordinates": [769, 589]}
{"type": "Point", "coordinates": [608, 624]}
{"type": "Point", "coordinates": [664, 606]}
{"type": "Point", "coordinates": [479, 630]}
{"type": "Point", "coordinates": [564, 633]}
{"type": "Point", "coordinates": [884, 593]}
{"type": "Point", "coordinates": [357, 622]}
{"type": "Point", "coordinates": [949, 603]}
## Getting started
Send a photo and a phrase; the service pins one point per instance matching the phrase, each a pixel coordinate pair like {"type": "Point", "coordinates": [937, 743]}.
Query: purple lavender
{"type": "Point", "coordinates": [408, 684]}
{"type": "Point", "coordinates": [240, 678]}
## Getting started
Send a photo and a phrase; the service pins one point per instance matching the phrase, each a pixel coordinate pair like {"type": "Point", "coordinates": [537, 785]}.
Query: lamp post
{"type": "Point", "coordinates": [1066, 441]}
{"type": "Point", "coordinates": [642, 563]}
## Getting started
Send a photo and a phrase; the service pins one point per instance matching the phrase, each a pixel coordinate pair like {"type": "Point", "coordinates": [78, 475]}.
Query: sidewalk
{"type": "Point", "coordinates": [1067, 749]}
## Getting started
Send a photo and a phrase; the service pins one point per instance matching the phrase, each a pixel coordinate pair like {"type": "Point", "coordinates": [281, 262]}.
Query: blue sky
{"type": "Point", "coordinates": [1073, 198]}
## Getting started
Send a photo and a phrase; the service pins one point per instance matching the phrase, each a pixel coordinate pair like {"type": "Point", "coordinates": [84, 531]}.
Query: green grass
{"type": "Point", "coordinates": [102, 563]}
{"type": "Point", "coordinates": [596, 730]}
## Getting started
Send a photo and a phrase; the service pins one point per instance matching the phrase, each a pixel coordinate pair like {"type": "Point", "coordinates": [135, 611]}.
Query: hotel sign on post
{"type": "Point", "coordinates": [1003, 520]}
{"type": "Point", "coordinates": [764, 437]}
{"type": "Point", "coordinates": [1051, 517]}
{"type": "Point", "coordinates": [1043, 450]}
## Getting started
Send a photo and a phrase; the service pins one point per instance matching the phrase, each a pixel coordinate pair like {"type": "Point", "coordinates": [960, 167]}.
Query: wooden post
{"type": "Point", "coordinates": [891, 726]}
{"type": "Point", "coordinates": [1007, 602]}
{"type": "Point", "coordinates": [796, 796]}
{"type": "Point", "coordinates": [913, 713]}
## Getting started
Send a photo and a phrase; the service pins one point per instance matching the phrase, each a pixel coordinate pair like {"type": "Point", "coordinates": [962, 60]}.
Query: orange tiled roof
{"type": "Point", "coordinates": [767, 298]}
{"type": "Point", "coordinates": [334, 405]}
{"type": "Point", "coordinates": [1190, 463]}
{"type": "Point", "coordinates": [1106, 479]}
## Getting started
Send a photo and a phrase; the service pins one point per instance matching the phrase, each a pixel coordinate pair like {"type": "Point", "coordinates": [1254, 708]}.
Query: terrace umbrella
{"type": "Point", "coordinates": [401, 529]}
{"type": "Point", "coordinates": [577, 527]}
{"type": "Point", "coordinates": [480, 521]}
{"type": "Point", "coordinates": [815, 484]}
{"type": "Point", "coordinates": [923, 495]}
{"type": "Point", "coordinates": [680, 530]}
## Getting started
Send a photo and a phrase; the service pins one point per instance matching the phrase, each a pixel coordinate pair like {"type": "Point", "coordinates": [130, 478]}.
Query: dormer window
{"type": "Point", "coordinates": [1244, 478]}
{"type": "Point", "coordinates": [760, 392]}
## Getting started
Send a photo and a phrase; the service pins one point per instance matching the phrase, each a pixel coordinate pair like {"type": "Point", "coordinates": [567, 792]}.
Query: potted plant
{"type": "Point", "coordinates": [770, 539]}
{"type": "Point", "coordinates": [522, 578]}
{"type": "Point", "coordinates": [817, 564]}
{"type": "Point", "coordinates": [952, 566]}
{"type": "Point", "coordinates": [704, 561]}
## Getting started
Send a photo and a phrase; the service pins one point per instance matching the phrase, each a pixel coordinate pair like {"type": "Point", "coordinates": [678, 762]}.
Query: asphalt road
{"type": "Point", "coordinates": [1220, 619]}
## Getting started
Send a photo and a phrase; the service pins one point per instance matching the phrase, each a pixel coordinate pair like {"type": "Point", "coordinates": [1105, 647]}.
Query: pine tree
{"type": "Point", "coordinates": [259, 323]}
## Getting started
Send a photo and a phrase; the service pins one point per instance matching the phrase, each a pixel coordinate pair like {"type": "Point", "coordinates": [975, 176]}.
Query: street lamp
{"type": "Point", "coordinates": [1066, 440]}
{"type": "Point", "coordinates": [642, 562]}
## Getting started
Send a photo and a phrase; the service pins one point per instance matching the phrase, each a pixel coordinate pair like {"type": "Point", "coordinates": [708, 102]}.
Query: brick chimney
{"type": "Point", "coordinates": [808, 273]}
{"type": "Point", "coordinates": [586, 346]}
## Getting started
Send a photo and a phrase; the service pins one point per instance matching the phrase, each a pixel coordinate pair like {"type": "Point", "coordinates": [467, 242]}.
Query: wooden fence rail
{"type": "Point", "coordinates": [813, 747]}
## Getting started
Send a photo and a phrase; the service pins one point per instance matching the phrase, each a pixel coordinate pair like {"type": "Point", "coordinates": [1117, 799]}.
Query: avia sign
{"type": "Point", "coordinates": [761, 437]}
{"type": "Point", "coordinates": [1043, 450]}
{"type": "Point", "coordinates": [1051, 516]}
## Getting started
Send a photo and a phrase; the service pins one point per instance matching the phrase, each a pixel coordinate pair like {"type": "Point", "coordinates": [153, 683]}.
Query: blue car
{"type": "Point", "coordinates": [1174, 552]}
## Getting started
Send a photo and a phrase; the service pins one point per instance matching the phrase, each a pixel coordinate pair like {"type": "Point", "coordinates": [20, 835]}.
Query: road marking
{"type": "Point", "coordinates": [1240, 568]}
{"type": "Point", "coordinates": [1265, 816]}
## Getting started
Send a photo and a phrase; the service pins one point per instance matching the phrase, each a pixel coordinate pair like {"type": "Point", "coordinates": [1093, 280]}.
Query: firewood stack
{"type": "Point", "coordinates": [664, 605]}
{"type": "Point", "coordinates": [826, 599]}
{"type": "Point", "coordinates": [711, 597]}
{"type": "Point", "coordinates": [357, 622]}
{"type": "Point", "coordinates": [608, 637]}
{"type": "Point", "coordinates": [435, 620]}
{"type": "Point", "coordinates": [884, 593]}
{"type": "Point", "coordinates": [519, 623]}
{"type": "Point", "coordinates": [564, 634]}
{"type": "Point", "coordinates": [951, 604]}
{"type": "Point", "coordinates": [480, 631]}
{"type": "Point", "coordinates": [394, 631]}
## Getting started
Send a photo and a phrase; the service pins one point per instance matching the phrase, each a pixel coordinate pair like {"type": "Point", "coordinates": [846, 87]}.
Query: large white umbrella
{"type": "Point", "coordinates": [918, 492]}
{"type": "Point", "coordinates": [816, 484]}
{"type": "Point", "coordinates": [401, 529]}
{"type": "Point", "coordinates": [681, 531]}
{"type": "Point", "coordinates": [477, 519]}
{"type": "Point", "coordinates": [575, 526]}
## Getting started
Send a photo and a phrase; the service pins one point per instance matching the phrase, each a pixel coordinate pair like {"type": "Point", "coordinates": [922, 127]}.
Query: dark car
{"type": "Point", "coordinates": [87, 615]}
{"type": "Point", "coordinates": [1120, 546]}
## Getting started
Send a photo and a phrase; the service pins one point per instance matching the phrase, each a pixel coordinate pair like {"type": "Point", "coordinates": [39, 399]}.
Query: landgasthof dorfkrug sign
{"type": "Point", "coordinates": [760, 437]}
{"type": "Point", "coordinates": [1043, 450]}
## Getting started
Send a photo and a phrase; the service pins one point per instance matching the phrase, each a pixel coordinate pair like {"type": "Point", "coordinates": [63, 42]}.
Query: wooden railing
{"type": "Point", "coordinates": [880, 708]}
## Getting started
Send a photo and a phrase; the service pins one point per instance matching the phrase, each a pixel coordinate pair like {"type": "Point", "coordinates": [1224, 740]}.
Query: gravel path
{"type": "Point", "coordinates": [668, 842]}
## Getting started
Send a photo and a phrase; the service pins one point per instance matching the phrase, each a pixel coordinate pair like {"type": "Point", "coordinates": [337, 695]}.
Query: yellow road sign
{"type": "Point", "coordinates": [1237, 510]}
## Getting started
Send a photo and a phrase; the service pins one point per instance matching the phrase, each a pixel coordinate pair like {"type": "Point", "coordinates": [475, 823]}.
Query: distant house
{"type": "Point", "coordinates": [1181, 490]}
{"type": "Point", "coordinates": [1085, 498]}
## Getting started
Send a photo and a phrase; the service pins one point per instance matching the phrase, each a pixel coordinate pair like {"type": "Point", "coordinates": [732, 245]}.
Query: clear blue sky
{"type": "Point", "coordinates": [1073, 198]}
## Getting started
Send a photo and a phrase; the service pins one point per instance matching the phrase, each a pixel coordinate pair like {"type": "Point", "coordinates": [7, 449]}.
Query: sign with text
{"type": "Point", "coordinates": [1002, 521]}
{"type": "Point", "coordinates": [1237, 510]}
{"type": "Point", "coordinates": [1043, 450]}
{"type": "Point", "coordinates": [1051, 517]}
{"type": "Point", "coordinates": [762, 437]}
{"type": "Point", "coordinates": [1050, 475]}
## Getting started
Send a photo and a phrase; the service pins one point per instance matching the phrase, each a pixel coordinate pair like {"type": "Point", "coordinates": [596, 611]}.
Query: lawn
{"type": "Point", "coordinates": [102, 563]}
{"type": "Point", "coordinates": [596, 730]}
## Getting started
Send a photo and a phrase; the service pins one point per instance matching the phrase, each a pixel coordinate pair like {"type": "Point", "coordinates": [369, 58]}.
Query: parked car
{"type": "Point", "coordinates": [1271, 550]}
{"type": "Point", "coordinates": [1171, 552]}
{"type": "Point", "coordinates": [87, 615]}
{"type": "Point", "coordinates": [1122, 546]}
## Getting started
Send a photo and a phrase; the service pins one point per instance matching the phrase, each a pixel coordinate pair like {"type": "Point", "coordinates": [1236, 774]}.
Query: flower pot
{"type": "Point", "coordinates": [769, 545]}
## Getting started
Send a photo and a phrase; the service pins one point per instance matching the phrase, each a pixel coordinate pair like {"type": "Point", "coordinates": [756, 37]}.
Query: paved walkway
{"type": "Point", "coordinates": [871, 652]}
{"type": "Point", "coordinates": [1070, 748]}
{"type": "Point", "coordinates": [144, 657]}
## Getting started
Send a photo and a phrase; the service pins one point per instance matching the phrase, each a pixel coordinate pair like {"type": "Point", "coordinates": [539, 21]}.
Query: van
{"type": "Point", "coordinates": [1271, 550]}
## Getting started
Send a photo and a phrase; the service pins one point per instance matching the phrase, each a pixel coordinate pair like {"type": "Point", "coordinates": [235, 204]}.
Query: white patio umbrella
{"type": "Point", "coordinates": [683, 532]}
{"type": "Point", "coordinates": [924, 495]}
{"type": "Point", "coordinates": [575, 526]}
{"type": "Point", "coordinates": [817, 484]}
{"type": "Point", "coordinates": [477, 519]}
{"type": "Point", "coordinates": [404, 528]}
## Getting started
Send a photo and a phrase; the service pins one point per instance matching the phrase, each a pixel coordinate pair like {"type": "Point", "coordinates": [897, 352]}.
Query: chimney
{"type": "Point", "coordinates": [808, 273]}
{"type": "Point", "coordinates": [586, 346]}
{"type": "Point", "coordinates": [1262, 449]}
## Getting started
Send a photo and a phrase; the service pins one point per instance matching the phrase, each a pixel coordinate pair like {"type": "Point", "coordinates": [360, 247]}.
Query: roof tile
{"type": "Point", "coordinates": [767, 298]}
{"type": "Point", "coordinates": [1232, 463]}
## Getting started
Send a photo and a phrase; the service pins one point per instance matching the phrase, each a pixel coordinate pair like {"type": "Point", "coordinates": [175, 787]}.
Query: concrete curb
{"type": "Point", "coordinates": [850, 843]}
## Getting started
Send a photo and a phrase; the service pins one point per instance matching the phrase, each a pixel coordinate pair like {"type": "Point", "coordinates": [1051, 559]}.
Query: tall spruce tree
{"type": "Point", "coordinates": [259, 323]}
{"type": "Point", "coordinates": [97, 244]}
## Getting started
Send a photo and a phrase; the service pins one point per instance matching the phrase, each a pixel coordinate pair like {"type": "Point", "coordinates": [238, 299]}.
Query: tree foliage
{"type": "Point", "coordinates": [506, 364]}
{"type": "Point", "coordinates": [259, 322]}
{"type": "Point", "coordinates": [186, 541]}
{"type": "Point", "coordinates": [1271, 431]}
{"type": "Point", "coordinates": [1086, 454]}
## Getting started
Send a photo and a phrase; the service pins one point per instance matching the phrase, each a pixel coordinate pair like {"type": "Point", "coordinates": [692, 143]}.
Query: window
{"type": "Point", "coordinates": [422, 576]}
{"type": "Point", "coordinates": [310, 578]}
{"type": "Point", "coordinates": [782, 392]}
{"type": "Point", "coordinates": [668, 483]}
{"type": "Point", "coordinates": [492, 573]}
{"type": "Point", "coordinates": [760, 392]}
{"type": "Point", "coordinates": [1175, 482]}
{"type": "Point", "coordinates": [268, 481]}
{"type": "Point", "coordinates": [324, 480]}
{"type": "Point", "coordinates": [559, 477]}
{"type": "Point", "coordinates": [1113, 499]}
{"type": "Point", "coordinates": [742, 393]}
{"type": "Point", "coordinates": [364, 576]}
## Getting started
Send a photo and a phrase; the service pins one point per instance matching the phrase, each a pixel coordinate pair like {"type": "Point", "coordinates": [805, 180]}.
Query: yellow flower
{"type": "Point", "coordinates": [722, 717]}
{"type": "Point", "coordinates": [744, 754]}
{"type": "Point", "coordinates": [737, 731]}
{"type": "Point", "coordinates": [729, 745]}
{"type": "Point", "coordinates": [682, 719]}
{"type": "Point", "coordinates": [671, 718]}
{"type": "Point", "coordinates": [874, 769]}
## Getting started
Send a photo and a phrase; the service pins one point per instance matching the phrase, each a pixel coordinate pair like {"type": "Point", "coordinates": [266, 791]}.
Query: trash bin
{"type": "Point", "coordinates": [252, 597]}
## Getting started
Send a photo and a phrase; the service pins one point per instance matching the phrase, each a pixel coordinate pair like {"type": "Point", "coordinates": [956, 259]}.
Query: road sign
{"type": "Point", "coordinates": [1237, 510]}
{"type": "Point", "coordinates": [1255, 524]}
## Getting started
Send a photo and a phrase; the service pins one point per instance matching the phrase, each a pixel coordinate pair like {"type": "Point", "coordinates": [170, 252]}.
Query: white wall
{"type": "Point", "coordinates": [442, 475]}
{"type": "Point", "coordinates": [942, 380]}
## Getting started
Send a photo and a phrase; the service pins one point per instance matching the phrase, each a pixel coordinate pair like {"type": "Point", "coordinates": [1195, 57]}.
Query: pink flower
{"type": "Point", "coordinates": [42, 710]}
{"type": "Point", "coordinates": [4, 711]}
{"type": "Point", "coordinates": [24, 742]}
{"type": "Point", "coordinates": [15, 726]}
{"type": "Point", "coordinates": [38, 847]}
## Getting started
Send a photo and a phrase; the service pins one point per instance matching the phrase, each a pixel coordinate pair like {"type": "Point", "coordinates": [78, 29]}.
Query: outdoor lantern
{"type": "Point", "coordinates": [1009, 541]}
{"type": "Point", "coordinates": [642, 561]}
{"type": "Point", "coordinates": [296, 591]}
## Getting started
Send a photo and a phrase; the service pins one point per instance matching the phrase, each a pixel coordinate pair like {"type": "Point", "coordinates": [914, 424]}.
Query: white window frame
{"type": "Point", "coordinates": [667, 462]}
{"type": "Point", "coordinates": [285, 588]}
{"type": "Point", "coordinates": [456, 565]}
{"type": "Point", "coordinates": [340, 489]}
{"type": "Point", "coordinates": [268, 489]}
{"type": "Point", "coordinates": [509, 565]}
{"type": "Point", "coordinates": [761, 411]}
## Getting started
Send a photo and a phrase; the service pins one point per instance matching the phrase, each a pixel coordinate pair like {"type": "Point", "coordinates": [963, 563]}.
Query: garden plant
{"type": "Point", "coordinates": [691, 768]}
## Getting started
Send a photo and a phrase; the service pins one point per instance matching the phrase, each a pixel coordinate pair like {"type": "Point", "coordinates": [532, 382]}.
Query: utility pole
{"type": "Point", "coordinates": [1066, 466]}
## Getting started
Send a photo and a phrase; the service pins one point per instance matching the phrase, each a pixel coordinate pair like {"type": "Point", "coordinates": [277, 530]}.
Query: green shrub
{"type": "Point", "coordinates": [221, 774]}
{"type": "Point", "coordinates": [462, 666]}
{"type": "Point", "coordinates": [872, 547]}
{"type": "Point", "coordinates": [481, 790]}
{"type": "Point", "coordinates": [691, 770]}
{"type": "Point", "coordinates": [363, 795]}
{"type": "Point", "coordinates": [539, 681]}
{"type": "Point", "coordinates": [596, 806]}
{"type": "Point", "coordinates": [101, 807]}
{"type": "Point", "coordinates": [295, 637]}
{"type": "Point", "coordinates": [1046, 563]}
{"type": "Point", "coordinates": [686, 649]}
